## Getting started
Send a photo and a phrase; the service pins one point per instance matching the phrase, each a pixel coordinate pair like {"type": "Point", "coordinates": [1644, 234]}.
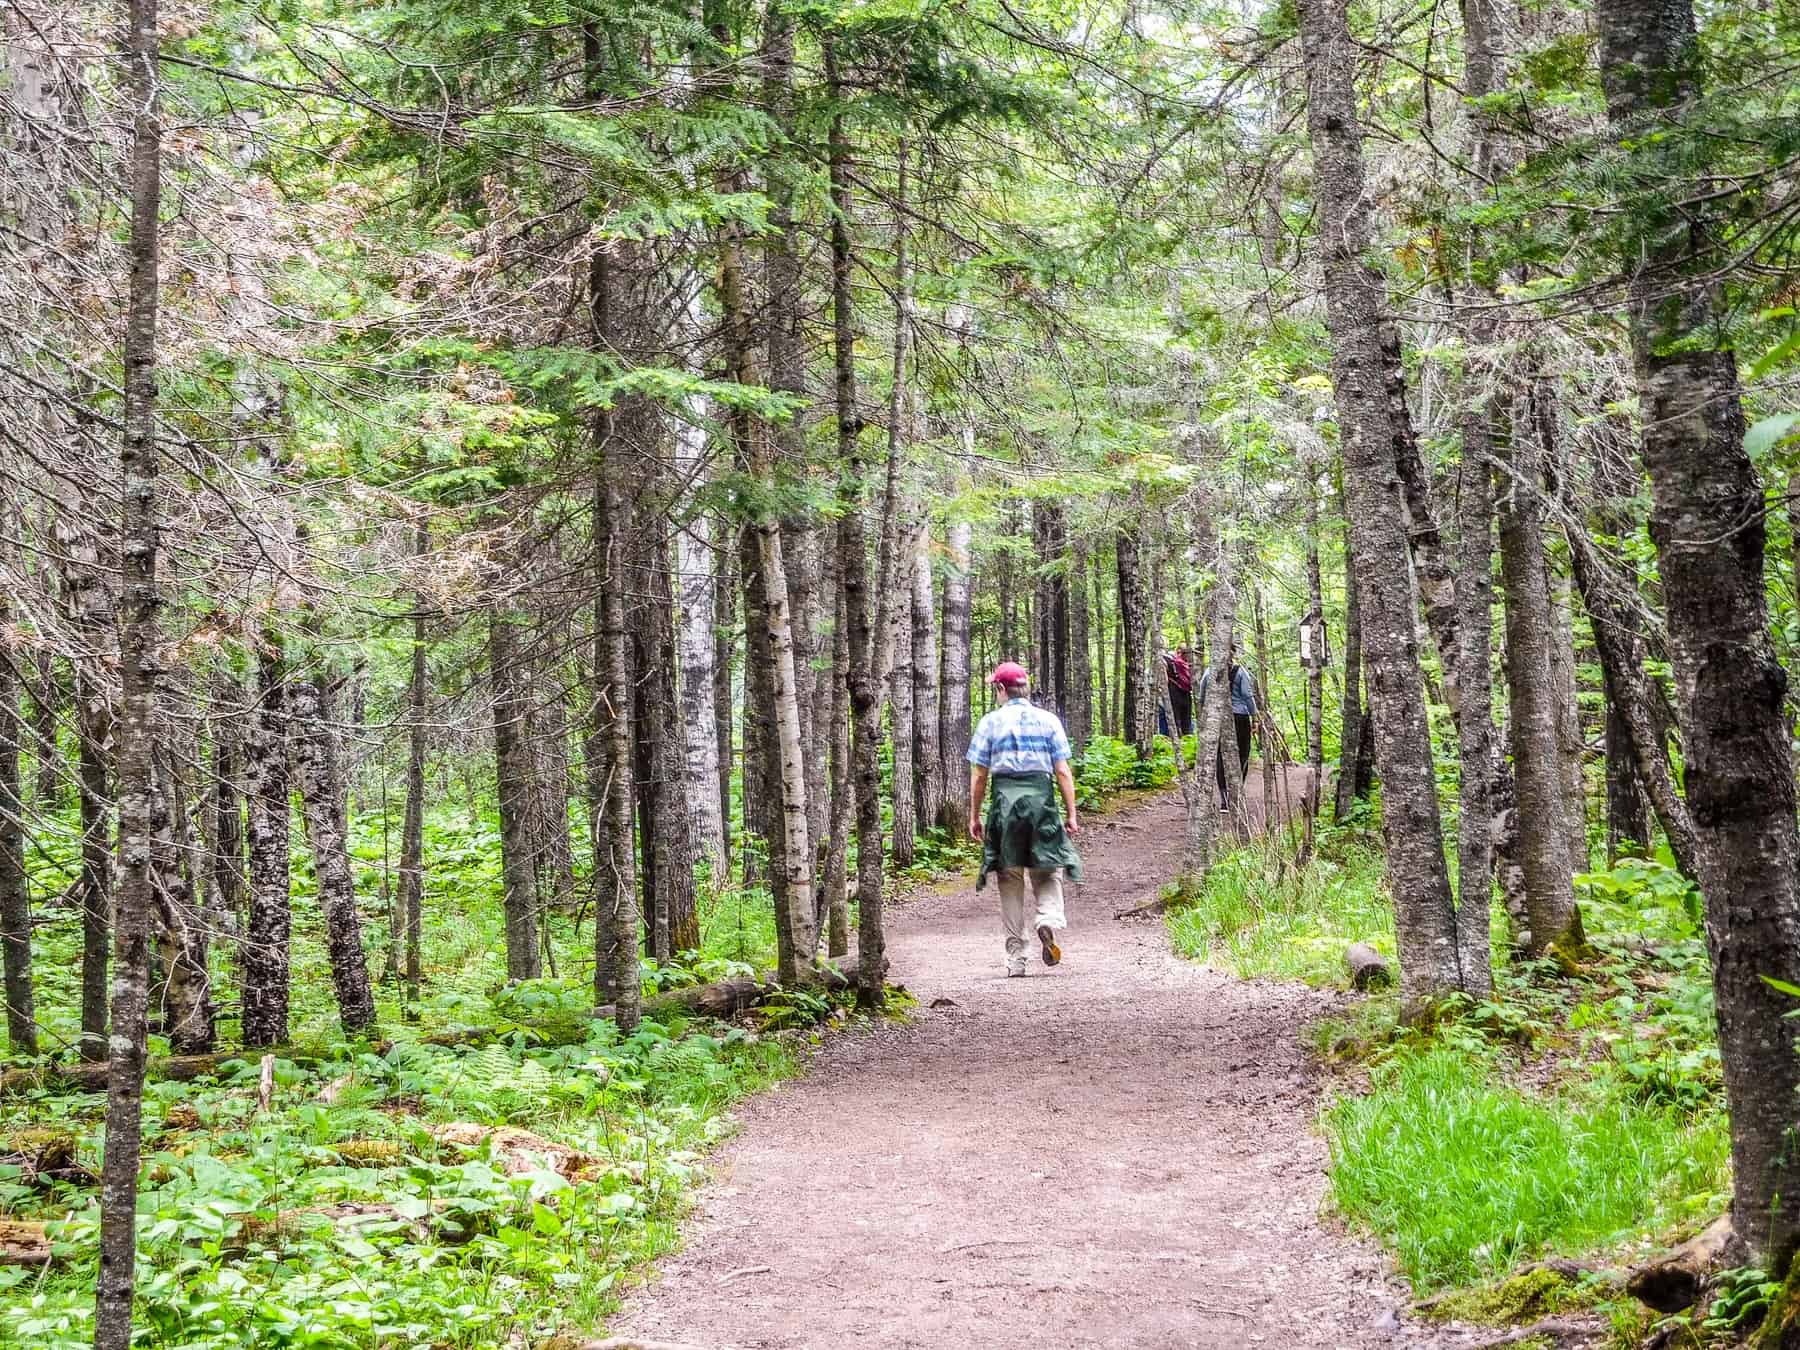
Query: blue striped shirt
{"type": "Point", "coordinates": [1018, 737]}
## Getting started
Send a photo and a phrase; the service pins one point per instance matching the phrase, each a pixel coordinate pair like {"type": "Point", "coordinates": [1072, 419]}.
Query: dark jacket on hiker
{"type": "Point", "coordinates": [1025, 827]}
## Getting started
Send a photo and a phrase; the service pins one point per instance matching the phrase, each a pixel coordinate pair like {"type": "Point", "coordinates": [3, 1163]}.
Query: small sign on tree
{"type": "Point", "coordinates": [1315, 645]}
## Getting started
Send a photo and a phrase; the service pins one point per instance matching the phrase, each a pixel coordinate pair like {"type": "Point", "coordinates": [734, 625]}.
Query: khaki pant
{"type": "Point", "coordinates": [1046, 890]}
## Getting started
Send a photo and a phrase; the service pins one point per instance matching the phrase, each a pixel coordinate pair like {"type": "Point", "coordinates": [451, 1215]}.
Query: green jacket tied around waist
{"type": "Point", "coordinates": [1025, 828]}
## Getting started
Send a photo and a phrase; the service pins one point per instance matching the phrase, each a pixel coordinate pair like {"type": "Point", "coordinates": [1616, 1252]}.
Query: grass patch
{"type": "Point", "coordinates": [1565, 1114]}
{"type": "Point", "coordinates": [1261, 921]}
{"type": "Point", "coordinates": [1464, 1175]}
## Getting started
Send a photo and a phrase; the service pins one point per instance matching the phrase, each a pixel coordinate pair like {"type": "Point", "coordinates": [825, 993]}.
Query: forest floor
{"type": "Point", "coordinates": [1115, 1152]}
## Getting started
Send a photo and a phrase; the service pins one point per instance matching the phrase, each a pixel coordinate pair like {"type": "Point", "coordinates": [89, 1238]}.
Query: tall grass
{"type": "Point", "coordinates": [1464, 1176]}
{"type": "Point", "coordinates": [1261, 925]}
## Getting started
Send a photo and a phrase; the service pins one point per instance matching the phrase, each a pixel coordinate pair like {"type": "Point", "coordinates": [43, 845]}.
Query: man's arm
{"type": "Point", "coordinates": [978, 780]}
{"type": "Point", "coordinates": [1065, 779]}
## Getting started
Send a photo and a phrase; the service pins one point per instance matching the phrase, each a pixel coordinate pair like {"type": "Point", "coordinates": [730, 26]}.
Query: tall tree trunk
{"type": "Point", "coordinates": [1555, 923]}
{"type": "Point", "coordinates": [792, 871]}
{"type": "Point", "coordinates": [1570, 745]}
{"type": "Point", "coordinates": [1605, 594]}
{"type": "Point", "coordinates": [1079, 712]}
{"type": "Point", "coordinates": [609, 761]}
{"type": "Point", "coordinates": [1315, 673]}
{"type": "Point", "coordinates": [1135, 718]}
{"type": "Point", "coordinates": [1213, 716]}
{"type": "Point", "coordinates": [1707, 523]}
{"type": "Point", "coordinates": [609, 755]}
{"type": "Point", "coordinates": [861, 610]}
{"type": "Point", "coordinates": [954, 729]}
{"type": "Point", "coordinates": [1475, 743]}
{"type": "Point", "coordinates": [181, 935]}
{"type": "Point", "coordinates": [1104, 723]}
{"type": "Point", "coordinates": [267, 934]}
{"type": "Point", "coordinates": [834, 900]}
{"type": "Point", "coordinates": [928, 762]}
{"type": "Point", "coordinates": [46, 701]}
{"type": "Point", "coordinates": [1356, 316]}
{"type": "Point", "coordinates": [321, 785]}
{"type": "Point", "coordinates": [725, 612]}
{"type": "Point", "coordinates": [676, 852]}
{"type": "Point", "coordinates": [94, 735]}
{"type": "Point", "coordinates": [412, 831]}
{"type": "Point", "coordinates": [900, 704]}
{"type": "Point", "coordinates": [139, 672]}
{"type": "Point", "coordinates": [1475, 561]}
{"type": "Point", "coordinates": [512, 785]}
{"type": "Point", "coordinates": [1350, 710]}
{"type": "Point", "coordinates": [696, 594]}
{"type": "Point", "coordinates": [15, 900]}
{"type": "Point", "coordinates": [225, 813]}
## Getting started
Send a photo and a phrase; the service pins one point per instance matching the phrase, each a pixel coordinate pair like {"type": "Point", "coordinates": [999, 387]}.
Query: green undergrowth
{"type": "Point", "coordinates": [1568, 1114]}
{"type": "Point", "coordinates": [372, 1204]}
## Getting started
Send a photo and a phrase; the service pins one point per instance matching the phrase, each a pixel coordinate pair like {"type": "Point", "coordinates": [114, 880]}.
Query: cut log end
{"type": "Point", "coordinates": [1676, 1281]}
{"type": "Point", "coordinates": [1368, 968]}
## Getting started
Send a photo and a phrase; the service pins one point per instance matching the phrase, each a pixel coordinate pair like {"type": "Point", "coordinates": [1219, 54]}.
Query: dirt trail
{"type": "Point", "coordinates": [1116, 1152]}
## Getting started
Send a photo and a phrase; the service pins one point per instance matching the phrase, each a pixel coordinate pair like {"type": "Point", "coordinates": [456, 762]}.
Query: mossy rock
{"type": "Point", "coordinates": [370, 1153]}
{"type": "Point", "coordinates": [1526, 1297]}
{"type": "Point", "coordinates": [47, 1149]}
{"type": "Point", "coordinates": [181, 1116]}
{"type": "Point", "coordinates": [1780, 1329]}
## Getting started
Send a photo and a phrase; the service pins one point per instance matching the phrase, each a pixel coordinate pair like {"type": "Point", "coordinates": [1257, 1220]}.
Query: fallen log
{"type": "Point", "coordinates": [23, 1244]}
{"type": "Point", "coordinates": [727, 998]}
{"type": "Point", "coordinates": [92, 1077]}
{"type": "Point", "coordinates": [1676, 1281]}
{"type": "Point", "coordinates": [1368, 968]}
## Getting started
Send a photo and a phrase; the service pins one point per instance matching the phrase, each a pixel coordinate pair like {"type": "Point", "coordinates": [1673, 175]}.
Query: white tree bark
{"type": "Point", "coordinates": [696, 570]}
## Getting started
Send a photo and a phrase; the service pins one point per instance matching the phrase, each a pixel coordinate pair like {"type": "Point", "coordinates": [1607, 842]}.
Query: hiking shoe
{"type": "Point", "coordinates": [1052, 952]}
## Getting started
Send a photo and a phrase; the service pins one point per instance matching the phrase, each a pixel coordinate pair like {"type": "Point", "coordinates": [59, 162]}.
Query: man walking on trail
{"type": "Point", "coordinates": [1243, 709]}
{"type": "Point", "coordinates": [1024, 751]}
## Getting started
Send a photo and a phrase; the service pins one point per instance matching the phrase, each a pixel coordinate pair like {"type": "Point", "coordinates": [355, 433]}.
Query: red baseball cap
{"type": "Point", "coordinates": [1009, 673]}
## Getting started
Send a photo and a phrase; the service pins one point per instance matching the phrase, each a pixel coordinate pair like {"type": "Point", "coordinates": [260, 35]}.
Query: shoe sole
{"type": "Point", "coordinates": [1052, 952]}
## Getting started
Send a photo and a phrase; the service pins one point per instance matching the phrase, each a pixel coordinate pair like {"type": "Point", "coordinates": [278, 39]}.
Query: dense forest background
{"type": "Point", "coordinates": [507, 508]}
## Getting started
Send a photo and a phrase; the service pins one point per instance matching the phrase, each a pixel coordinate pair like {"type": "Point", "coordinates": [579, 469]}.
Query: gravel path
{"type": "Point", "coordinates": [1113, 1153]}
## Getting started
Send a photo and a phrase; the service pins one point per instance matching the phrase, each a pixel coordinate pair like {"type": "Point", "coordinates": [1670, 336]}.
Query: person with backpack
{"type": "Point", "coordinates": [1243, 711]}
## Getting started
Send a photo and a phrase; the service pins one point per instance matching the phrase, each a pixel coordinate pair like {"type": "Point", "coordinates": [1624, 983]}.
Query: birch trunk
{"type": "Point", "coordinates": [1350, 709]}
{"type": "Point", "coordinates": [267, 934]}
{"type": "Point", "coordinates": [954, 729]}
{"type": "Point", "coordinates": [928, 762]}
{"type": "Point", "coordinates": [696, 592]}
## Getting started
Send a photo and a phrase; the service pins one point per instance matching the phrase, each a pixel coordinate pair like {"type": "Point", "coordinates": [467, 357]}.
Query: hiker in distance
{"type": "Point", "coordinates": [1023, 751]}
{"type": "Point", "coordinates": [1243, 709]}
